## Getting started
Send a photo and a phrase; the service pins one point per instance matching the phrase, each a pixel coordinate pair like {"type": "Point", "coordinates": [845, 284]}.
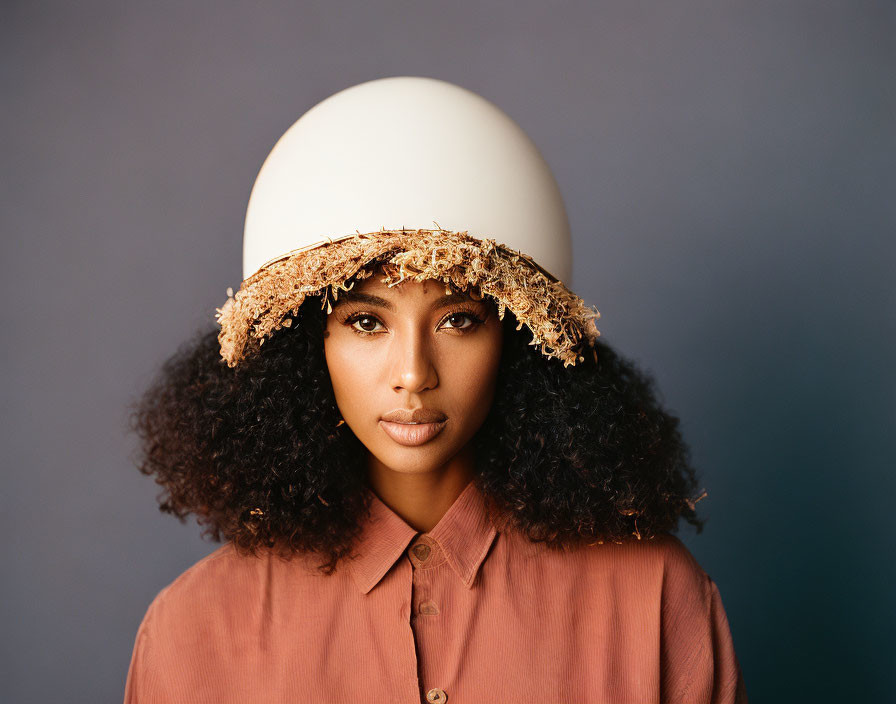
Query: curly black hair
{"type": "Point", "coordinates": [567, 455]}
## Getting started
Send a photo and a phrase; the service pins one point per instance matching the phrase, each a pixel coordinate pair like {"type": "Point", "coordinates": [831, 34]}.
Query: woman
{"type": "Point", "coordinates": [434, 483]}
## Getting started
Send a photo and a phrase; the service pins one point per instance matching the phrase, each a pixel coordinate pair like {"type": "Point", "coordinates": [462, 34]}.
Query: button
{"type": "Point", "coordinates": [422, 551]}
{"type": "Point", "coordinates": [436, 695]}
{"type": "Point", "coordinates": [429, 607]}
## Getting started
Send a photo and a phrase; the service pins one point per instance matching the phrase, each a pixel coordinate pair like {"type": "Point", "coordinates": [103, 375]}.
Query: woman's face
{"type": "Point", "coordinates": [413, 369]}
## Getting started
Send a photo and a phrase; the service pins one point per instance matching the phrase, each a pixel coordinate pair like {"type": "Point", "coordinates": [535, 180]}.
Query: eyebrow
{"type": "Point", "coordinates": [370, 299]}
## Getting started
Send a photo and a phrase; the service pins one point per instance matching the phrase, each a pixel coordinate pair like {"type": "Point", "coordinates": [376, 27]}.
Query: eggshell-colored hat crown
{"type": "Point", "coordinates": [406, 153]}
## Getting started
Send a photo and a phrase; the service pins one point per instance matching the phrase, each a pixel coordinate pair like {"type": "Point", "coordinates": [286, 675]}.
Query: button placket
{"type": "Point", "coordinates": [425, 556]}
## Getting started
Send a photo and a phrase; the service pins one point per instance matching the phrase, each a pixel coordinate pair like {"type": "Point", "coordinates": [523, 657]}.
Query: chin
{"type": "Point", "coordinates": [412, 460]}
{"type": "Point", "coordinates": [417, 459]}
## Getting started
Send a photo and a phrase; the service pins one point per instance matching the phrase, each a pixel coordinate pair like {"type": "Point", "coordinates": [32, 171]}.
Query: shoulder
{"type": "Point", "coordinates": [213, 574]}
{"type": "Point", "coordinates": [199, 572]}
{"type": "Point", "coordinates": [664, 557]}
{"type": "Point", "coordinates": [206, 580]}
{"type": "Point", "coordinates": [221, 588]}
{"type": "Point", "coordinates": [681, 571]}
{"type": "Point", "coordinates": [667, 562]}
{"type": "Point", "coordinates": [661, 575]}
{"type": "Point", "coordinates": [678, 562]}
{"type": "Point", "coordinates": [646, 570]}
{"type": "Point", "coordinates": [660, 570]}
{"type": "Point", "coordinates": [216, 611]}
{"type": "Point", "coordinates": [182, 616]}
{"type": "Point", "coordinates": [687, 591]}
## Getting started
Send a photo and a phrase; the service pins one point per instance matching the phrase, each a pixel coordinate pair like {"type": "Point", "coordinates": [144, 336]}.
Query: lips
{"type": "Point", "coordinates": [416, 415]}
{"type": "Point", "coordinates": [413, 427]}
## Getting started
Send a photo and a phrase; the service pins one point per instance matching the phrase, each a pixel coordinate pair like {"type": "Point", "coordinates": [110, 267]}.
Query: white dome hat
{"type": "Point", "coordinates": [406, 153]}
{"type": "Point", "coordinates": [422, 174]}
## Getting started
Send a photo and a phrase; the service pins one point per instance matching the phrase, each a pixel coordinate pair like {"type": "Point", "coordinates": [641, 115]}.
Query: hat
{"type": "Point", "coordinates": [424, 178]}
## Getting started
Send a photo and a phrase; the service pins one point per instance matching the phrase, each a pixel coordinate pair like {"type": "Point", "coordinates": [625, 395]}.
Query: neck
{"type": "Point", "coordinates": [421, 499]}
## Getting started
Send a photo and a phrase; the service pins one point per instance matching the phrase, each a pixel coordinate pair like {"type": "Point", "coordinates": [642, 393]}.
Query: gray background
{"type": "Point", "coordinates": [728, 171]}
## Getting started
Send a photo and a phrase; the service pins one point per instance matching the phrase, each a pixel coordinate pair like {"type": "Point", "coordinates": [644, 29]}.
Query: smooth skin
{"type": "Point", "coordinates": [407, 347]}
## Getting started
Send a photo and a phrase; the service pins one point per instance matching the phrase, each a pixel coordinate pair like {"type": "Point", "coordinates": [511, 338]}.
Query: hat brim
{"type": "Point", "coordinates": [562, 325]}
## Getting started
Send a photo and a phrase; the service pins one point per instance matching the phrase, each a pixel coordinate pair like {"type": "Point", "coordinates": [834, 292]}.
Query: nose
{"type": "Point", "coordinates": [413, 366]}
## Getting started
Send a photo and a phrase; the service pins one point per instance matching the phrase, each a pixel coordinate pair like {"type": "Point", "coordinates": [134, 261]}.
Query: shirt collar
{"type": "Point", "coordinates": [464, 533]}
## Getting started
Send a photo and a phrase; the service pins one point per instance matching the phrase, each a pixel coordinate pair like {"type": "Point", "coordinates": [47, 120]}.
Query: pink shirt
{"type": "Point", "coordinates": [462, 614]}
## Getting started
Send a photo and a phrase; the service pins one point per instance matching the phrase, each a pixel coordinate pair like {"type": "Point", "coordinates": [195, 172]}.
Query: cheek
{"type": "Point", "coordinates": [471, 376]}
{"type": "Point", "coordinates": [350, 380]}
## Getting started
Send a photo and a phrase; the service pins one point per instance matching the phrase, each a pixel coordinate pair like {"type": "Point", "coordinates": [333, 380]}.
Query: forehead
{"type": "Point", "coordinates": [373, 291]}
{"type": "Point", "coordinates": [428, 287]}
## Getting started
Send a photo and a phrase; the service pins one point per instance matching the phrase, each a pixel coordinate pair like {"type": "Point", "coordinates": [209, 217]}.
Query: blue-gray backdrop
{"type": "Point", "coordinates": [728, 169]}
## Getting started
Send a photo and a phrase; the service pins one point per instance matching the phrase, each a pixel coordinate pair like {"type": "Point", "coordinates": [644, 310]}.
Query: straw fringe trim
{"type": "Point", "coordinates": [561, 324]}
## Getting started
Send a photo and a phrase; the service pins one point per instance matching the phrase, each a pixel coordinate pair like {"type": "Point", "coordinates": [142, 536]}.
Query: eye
{"type": "Point", "coordinates": [456, 320]}
{"type": "Point", "coordinates": [368, 324]}
{"type": "Point", "coordinates": [363, 323]}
